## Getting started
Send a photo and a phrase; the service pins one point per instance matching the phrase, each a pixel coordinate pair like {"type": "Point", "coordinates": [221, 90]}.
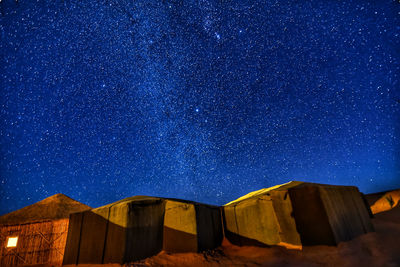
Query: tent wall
{"type": "Point", "coordinates": [180, 227]}
{"type": "Point", "coordinates": [131, 230]}
{"type": "Point", "coordinates": [38, 243]}
{"type": "Point", "coordinates": [93, 236]}
{"type": "Point", "coordinates": [283, 208]}
{"type": "Point", "coordinates": [191, 227]}
{"type": "Point", "coordinates": [145, 229]}
{"type": "Point", "coordinates": [346, 211]}
{"type": "Point", "coordinates": [118, 233]}
{"type": "Point", "coordinates": [86, 238]}
{"type": "Point", "coordinates": [297, 214]}
{"type": "Point", "coordinates": [71, 252]}
{"type": "Point", "coordinates": [329, 214]}
{"type": "Point", "coordinates": [115, 243]}
{"type": "Point", "coordinates": [252, 222]}
{"type": "Point", "coordinates": [209, 227]}
{"type": "Point", "coordinates": [312, 221]}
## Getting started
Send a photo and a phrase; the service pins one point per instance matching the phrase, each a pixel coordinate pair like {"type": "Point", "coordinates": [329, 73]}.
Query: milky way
{"type": "Point", "coordinates": [202, 100]}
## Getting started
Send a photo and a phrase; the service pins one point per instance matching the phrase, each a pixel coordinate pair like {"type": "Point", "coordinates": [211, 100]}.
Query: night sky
{"type": "Point", "coordinates": [201, 100]}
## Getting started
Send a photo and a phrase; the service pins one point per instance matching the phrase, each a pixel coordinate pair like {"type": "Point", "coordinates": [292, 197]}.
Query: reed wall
{"type": "Point", "coordinates": [38, 243]}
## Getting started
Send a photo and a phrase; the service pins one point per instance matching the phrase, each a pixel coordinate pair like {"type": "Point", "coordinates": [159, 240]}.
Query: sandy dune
{"type": "Point", "coordinates": [386, 202]}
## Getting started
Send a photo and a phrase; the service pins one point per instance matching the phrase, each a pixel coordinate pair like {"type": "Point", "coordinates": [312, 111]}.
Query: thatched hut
{"type": "Point", "coordinates": [297, 214]}
{"type": "Point", "coordinates": [36, 234]}
{"type": "Point", "coordinates": [138, 227]}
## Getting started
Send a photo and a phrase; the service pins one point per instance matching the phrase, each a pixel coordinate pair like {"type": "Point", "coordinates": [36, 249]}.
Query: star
{"type": "Point", "coordinates": [201, 100]}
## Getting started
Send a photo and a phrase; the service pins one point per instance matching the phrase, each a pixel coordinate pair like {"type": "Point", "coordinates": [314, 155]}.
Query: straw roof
{"type": "Point", "coordinates": [55, 207]}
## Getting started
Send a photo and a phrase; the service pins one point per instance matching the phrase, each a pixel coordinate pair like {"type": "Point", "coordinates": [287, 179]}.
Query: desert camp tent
{"type": "Point", "coordinates": [37, 234]}
{"type": "Point", "coordinates": [138, 227]}
{"type": "Point", "coordinates": [297, 214]}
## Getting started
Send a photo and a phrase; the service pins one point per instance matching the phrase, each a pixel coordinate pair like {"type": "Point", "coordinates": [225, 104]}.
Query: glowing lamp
{"type": "Point", "coordinates": [12, 241]}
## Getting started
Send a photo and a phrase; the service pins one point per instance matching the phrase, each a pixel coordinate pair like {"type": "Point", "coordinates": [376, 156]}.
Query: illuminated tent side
{"type": "Point", "coordinates": [297, 214]}
{"type": "Point", "coordinates": [138, 227]}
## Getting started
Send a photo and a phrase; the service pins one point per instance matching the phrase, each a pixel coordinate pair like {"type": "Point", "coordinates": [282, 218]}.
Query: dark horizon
{"type": "Point", "coordinates": [199, 100]}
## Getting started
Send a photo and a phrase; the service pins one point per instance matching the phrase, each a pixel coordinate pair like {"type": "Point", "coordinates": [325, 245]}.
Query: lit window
{"type": "Point", "coordinates": [12, 241]}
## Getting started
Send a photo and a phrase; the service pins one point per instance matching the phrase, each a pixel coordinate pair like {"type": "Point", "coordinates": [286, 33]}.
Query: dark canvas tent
{"type": "Point", "coordinates": [138, 227]}
{"type": "Point", "coordinates": [37, 234]}
{"type": "Point", "coordinates": [297, 214]}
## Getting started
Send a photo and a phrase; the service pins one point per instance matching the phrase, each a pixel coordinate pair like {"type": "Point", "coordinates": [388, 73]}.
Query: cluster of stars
{"type": "Point", "coordinates": [202, 100]}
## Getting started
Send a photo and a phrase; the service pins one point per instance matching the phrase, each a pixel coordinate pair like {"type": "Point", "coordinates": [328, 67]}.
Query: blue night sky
{"type": "Point", "coordinates": [201, 100]}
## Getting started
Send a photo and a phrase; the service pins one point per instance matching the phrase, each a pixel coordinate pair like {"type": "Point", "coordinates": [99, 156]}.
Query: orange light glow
{"type": "Point", "coordinates": [12, 242]}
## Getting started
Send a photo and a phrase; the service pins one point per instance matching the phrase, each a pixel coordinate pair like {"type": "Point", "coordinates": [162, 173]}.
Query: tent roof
{"type": "Point", "coordinates": [285, 186]}
{"type": "Point", "coordinates": [55, 207]}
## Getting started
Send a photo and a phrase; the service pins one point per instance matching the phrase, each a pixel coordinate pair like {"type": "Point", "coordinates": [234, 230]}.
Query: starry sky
{"type": "Point", "coordinates": [196, 99]}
